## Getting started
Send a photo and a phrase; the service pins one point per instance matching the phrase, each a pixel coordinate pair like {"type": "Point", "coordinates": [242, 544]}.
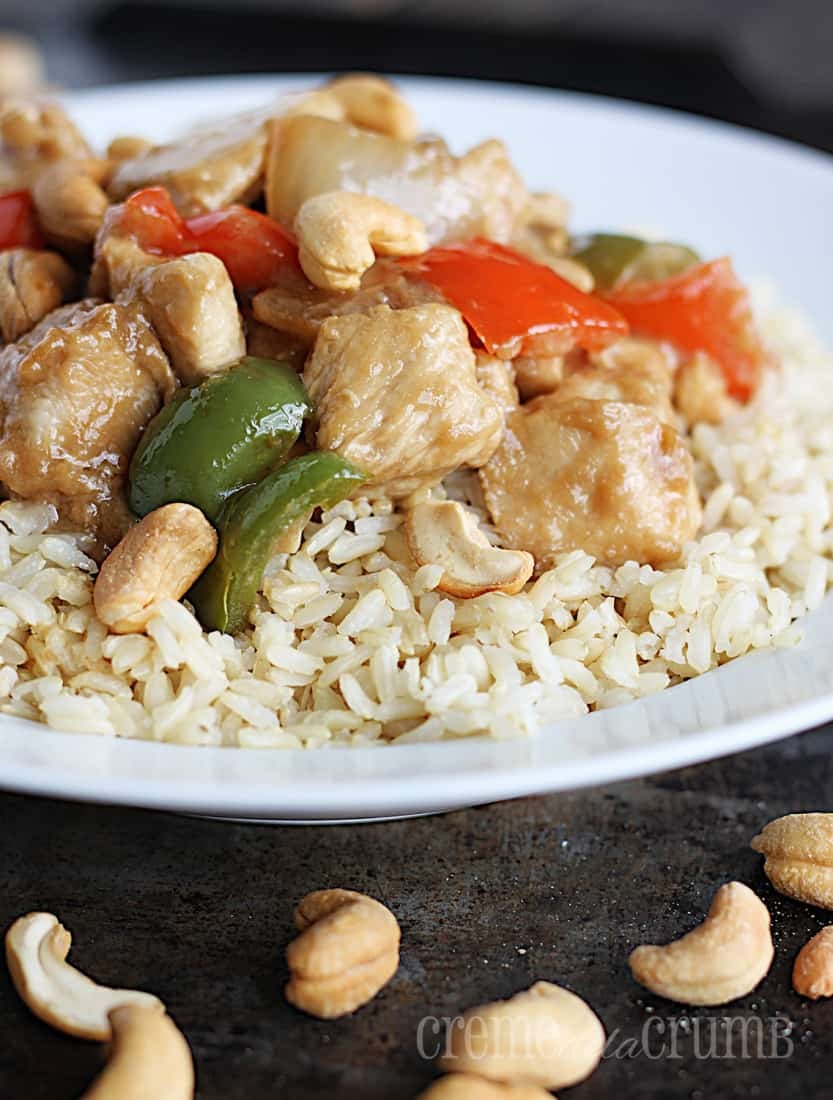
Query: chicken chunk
{"type": "Point", "coordinates": [636, 371]}
{"type": "Point", "coordinates": [117, 259]}
{"type": "Point", "coordinates": [479, 194]}
{"type": "Point", "coordinates": [191, 305]}
{"type": "Point", "coordinates": [189, 300]}
{"type": "Point", "coordinates": [76, 393]}
{"type": "Point", "coordinates": [497, 378]}
{"type": "Point", "coordinates": [32, 284]}
{"type": "Point", "coordinates": [607, 477]}
{"type": "Point", "coordinates": [396, 392]}
{"type": "Point", "coordinates": [205, 170]}
{"type": "Point", "coordinates": [701, 393]}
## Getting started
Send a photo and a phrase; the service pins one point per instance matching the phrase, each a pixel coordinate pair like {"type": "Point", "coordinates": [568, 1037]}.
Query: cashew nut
{"type": "Point", "coordinates": [338, 233]}
{"type": "Point", "coordinates": [465, 1086]}
{"type": "Point", "coordinates": [813, 968]}
{"type": "Point", "coordinates": [36, 949]}
{"type": "Point", "coordinates": [543, 1036]}
{"type": "Point", "coordinates": [159, 558]}
{"type": "Point", "coordinates": [348, 949]}
{"type": "Point", "coordinates": [443, 532]}
{"type": "Point", "coordinates": [149, 1059]}
{"type": "Point", "coordinates": [36, 133]}
{"type": "Point", "coordinates": [32, 284]}
{"type": "Point", "coordinates": [722, 959]}
{"type": "Point", "coordinates": [374, 104]}
{"type": "Point", "coordinates": [798, 851]}
{"type": "Point", "coordinates": [21, 65]}
{"type": "Point", "coordinates": [70, 201]}
{"type": "Point", "coordinates": [573, 272]}
{"type": "Point", "coordinates": [320, 102]}
{"type": "Point", "coordinates": [127, 146]}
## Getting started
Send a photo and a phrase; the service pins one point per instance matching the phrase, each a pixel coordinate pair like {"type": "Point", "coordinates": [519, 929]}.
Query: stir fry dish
{"type": "Point", "coordinates": [226, 356]}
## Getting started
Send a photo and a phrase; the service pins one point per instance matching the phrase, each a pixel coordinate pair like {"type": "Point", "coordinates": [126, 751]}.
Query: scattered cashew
{"type": "Point", "coordinates": [339, 233]}
{"type": "Point", "coordinates": [374, 104]}
{"type": "Point", "coordinates": [813, 968]}
{"type": "Point", "coordinates": [544, 1036]}
{"type": "Point", "coordinates": [159, 558]}
{"type": "Point", "coordinates": [71, 201]}
{"type": "Point", "coordinates": [722, 959]}
{"type": "Point", "coordinates": [466, 1086]}
{"type": "Point", "coordinates": [36, 949]}
{"type": "Point", "coordinates": [798, 851]}
{"type": "Point", "coordinates": [149, 1059]}
{"type": "Point", "coordinates": [347, 950]}
{"type": "Point", "coordinates": [444, 532]}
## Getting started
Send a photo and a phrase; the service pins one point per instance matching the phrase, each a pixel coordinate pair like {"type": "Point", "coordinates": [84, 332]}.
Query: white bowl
{"type": "Point", "coordinates": [725, 190]}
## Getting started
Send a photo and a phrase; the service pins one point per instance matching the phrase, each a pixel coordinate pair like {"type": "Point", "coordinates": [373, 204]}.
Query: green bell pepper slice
{"type": "Point", "coordinates": [213, 439]}
{"type": "Point", "coordinates": [614, 260]}
{"type": "Point", "coordinates": [252, 522]}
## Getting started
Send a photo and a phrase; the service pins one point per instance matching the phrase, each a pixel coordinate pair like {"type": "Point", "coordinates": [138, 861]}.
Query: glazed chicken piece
{"type": "Point", "coordinates": [32, 283]}
{"type": "Point", "coordinates": [607, 477]}
{"type": "Point", "coordinates": [206, 169]}
{"type": "Point", "coordinates": [478, 194]}
{"type": "Point", "coordinates": [33, 136]}
{"type": "Point", "coordinates": [190, 303]}
{"type": "Point", "coordinates": [497, 378]}
{"type": "Point", "coordinates": [396, 393]}
{"type": "Point", "coordinates": [631, 370]}
{"type": "Point", "coordinates": [189, 300]}
{"type": "Point", "coordinates": [76, 393]}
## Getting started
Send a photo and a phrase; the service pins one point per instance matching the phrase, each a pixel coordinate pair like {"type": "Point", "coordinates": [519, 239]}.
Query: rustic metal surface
{"type": "Point", "coordinates": [489, 899]}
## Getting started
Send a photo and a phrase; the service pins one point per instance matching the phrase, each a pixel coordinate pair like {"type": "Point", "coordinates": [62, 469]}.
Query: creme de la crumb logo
{"type": "Point", "coordinates": [674, 1038]}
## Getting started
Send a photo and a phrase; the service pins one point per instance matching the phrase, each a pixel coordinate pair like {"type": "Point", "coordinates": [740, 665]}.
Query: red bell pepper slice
{"type": "Point", "coordinates": [507, 298]}
{"type": "Point", "coordinates": [18, 221]}
{"type": "Point", "coordinates": [150, 217]}
{"type": "Point", "coordinates": [704, 309]}
{"type": "Point", "coordinates": [254, 248]}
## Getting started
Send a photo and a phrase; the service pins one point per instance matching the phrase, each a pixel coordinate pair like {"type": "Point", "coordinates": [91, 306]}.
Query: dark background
{"type": "Point", "coordinates": [762, 63]}
{"type": "Point", "coordinates": [560, 887]}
